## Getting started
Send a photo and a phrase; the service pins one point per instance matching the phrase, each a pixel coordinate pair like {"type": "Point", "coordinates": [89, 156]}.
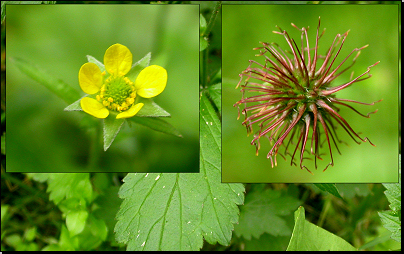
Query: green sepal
{"type": "Point", "coordinates": [151, 109]}
{"type": "Point", "coordinates": [93, 60]}
{"type": "Point", "coordinates": [157, 124]}
{"type": "Point", "coordinates": [112, 127]}
{"type": "Point", "coordinates": [138, 67]}
{"type": "Point", "coordinates": [75, 106]}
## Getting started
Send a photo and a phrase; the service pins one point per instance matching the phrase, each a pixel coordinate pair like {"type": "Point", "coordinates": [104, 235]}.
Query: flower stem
{"type": "Point", "coordinates": [95, 147]}
{"type": "Point", "coordinates": [204, 55]}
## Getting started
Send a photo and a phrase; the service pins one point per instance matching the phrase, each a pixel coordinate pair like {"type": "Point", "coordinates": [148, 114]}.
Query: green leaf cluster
{"type": "Point", "coordinates": [74, 196]}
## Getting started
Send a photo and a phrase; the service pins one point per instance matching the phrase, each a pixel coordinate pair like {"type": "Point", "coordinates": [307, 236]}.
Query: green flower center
{"type": "Point", "coordinates": [117, 93]}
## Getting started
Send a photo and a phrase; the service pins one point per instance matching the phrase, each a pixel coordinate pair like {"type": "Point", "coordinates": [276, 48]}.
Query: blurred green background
{"type": "Point", "coordinates": [41, 137]}
{"type": "Point", "coordinates": [377, 25]}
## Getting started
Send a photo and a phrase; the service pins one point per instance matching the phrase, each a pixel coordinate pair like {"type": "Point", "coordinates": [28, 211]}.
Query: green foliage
{"type": "Point", "coordinates": [66, 186]}
{"type": "Point", "coordinates": [392, 219]}
{"type": "Point", "coordinates": [263, 212]}
{"type": "Point", "coordinates": [392, 222]}
{"type": "Point", "coordinates": [73, 194]}
{"type": "Point", "coordinates": [309, 237]}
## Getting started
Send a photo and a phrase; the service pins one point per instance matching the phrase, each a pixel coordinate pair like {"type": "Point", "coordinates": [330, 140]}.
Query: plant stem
{"type": "Point", "coordinates": [204, 70]}
{"type": "Point", "coordinates": [212, 19]}
{"type": "Point", "coordinates": [204, 55]}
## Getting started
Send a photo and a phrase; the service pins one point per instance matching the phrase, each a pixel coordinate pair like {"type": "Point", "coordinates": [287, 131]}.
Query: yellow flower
{"type": "Point", "coordinates": [116, 92]}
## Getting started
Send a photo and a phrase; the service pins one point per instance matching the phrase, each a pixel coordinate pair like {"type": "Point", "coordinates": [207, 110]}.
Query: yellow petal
{"type": "Point", "coordinates": [90, 78]}
{"type": "Point", "coordinates": [130, 112]}
{"type": "Point", "coordinates": [94, 107]}
{"type": "Point", "coordinates": [118, 60]}
{"type": "Point", "coordinates": [151, 81]}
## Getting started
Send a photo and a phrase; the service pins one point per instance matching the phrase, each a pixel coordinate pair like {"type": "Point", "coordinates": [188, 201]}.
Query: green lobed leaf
{"type": "Point", "coordinates": [57, 86]}
{"type": "Point", "coordinates": [330, 188]}
{"type": "Point", "coordinates": [156, 124]}
{"type": "Point", "coordinates": [112, 126]}
{"type": "Point", "coordinates": [393, 192]}
{"type": "Point", "coordinates": [72, 204]}
{"type": "Point", "coordinates": [151, 109]}
{"type": "Point", "coordinates": [262, 213]}
{"type": "Point", "coordinates": [309, 237]}
{"type": "Point", "coordinates": [176, 211]}
{"type": "Point", "coordinates": [392, 219]}
{"type": "Point", "coordinates": [392, 222]}
{"type": "Point", "coordinates": [69, 185]}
